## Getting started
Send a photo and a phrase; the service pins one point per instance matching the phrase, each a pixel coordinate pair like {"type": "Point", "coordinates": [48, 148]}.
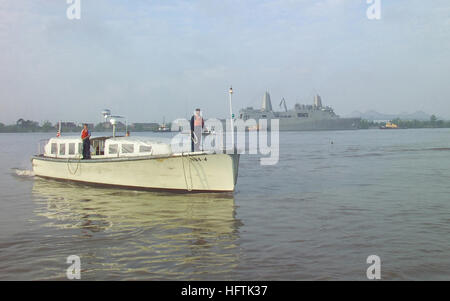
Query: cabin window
{"type": "Point", "coordinates": [54, 149]}
{"type": "Point", "coordinates": [62, 148]}
{"type": "Point", "coordinates": [145, 148]}
{"type": "Point", "coordinates": [80, 148]}
{"type": "Point", "coordinates": [264, 116]}
{"type": "Point", "coordinates": [302, 114]}
{"type": "Point", "coordinates": [127, 148]}
{"type": "Point", "coordinates": [113, 148]}
{"type": "Point", "coordinates": [71, 148]}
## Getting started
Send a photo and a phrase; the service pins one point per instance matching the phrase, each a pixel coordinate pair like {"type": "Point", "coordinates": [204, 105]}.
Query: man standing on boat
{"type": "Point", "coordinates": [197, 124]}
{"type": "Point", "coordinates": [85, 135]}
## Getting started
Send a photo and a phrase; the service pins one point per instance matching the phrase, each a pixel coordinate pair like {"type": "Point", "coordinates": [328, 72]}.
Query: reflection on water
{"type": "Point", "coordinates": [145, 234]}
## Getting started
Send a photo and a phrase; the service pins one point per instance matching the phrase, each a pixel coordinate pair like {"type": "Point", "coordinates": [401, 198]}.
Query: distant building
{"type": "Point", "coordinates": [67, 125]}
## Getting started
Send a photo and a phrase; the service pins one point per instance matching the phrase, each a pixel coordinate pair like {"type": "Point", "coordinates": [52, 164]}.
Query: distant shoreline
{"type": "Point", "coordinates": [29, 126]}
{"type": "Point", "coordinates": [55, 131]}
{"type": "Point", "coordinates": [149, 131]}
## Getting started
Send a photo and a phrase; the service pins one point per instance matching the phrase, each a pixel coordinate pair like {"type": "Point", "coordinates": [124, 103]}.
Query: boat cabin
{"type": "Point", "coordinates": [106, 147]}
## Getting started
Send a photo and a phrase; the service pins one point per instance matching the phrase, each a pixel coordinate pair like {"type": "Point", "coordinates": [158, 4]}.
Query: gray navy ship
{"type": "Point", "coordinates": [302, 117]}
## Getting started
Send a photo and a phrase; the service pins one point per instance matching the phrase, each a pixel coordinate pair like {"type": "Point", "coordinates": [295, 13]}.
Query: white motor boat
{"type": "Point", "coordinates": [137, 163]}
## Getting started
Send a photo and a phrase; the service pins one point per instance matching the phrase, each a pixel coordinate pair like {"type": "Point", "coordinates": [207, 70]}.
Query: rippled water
{"type": "Point", "coordinates": [333, 199]}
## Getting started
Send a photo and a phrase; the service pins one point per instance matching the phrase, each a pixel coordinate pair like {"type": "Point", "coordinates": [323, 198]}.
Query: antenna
{"type": "Point", "coordinates": [113, 122]}
{"type": "Point", "coordinates": [112, 119]}
{"type": "Point", "coordinates": [106, 114]}
{"type": "Point", "coordinates": [230, 92]}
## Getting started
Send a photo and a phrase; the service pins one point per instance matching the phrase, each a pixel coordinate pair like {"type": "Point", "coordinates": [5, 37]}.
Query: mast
{"type": "Point", "coordinates": [58, 134]}
{"type": "Point", "coordinates": [113, 123]}
{"type": "Point", "coordinates": [112, 120]}
{"type": "Point", "coordinates": [318, 101]}
{"type": "Point", "coordinates": [230, 92]}
{"type": "Point", "coordinates": [283, 102]}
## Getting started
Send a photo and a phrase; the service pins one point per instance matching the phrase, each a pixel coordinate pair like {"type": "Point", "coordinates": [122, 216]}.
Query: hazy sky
{"type": "Point", "coordinates": [148, 59]}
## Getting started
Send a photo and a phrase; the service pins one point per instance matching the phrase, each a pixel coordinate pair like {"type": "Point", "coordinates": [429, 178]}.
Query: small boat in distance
{"type": "Point", "coordinates": [163, 127]}
{"type": "Point", "coordinates": [137, 163]}
{"type": "Point", "coordinates": [389, 126]}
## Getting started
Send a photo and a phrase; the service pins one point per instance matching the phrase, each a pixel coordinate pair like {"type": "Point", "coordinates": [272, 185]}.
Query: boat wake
{"type": "Point", "coordinates": [23, 172]}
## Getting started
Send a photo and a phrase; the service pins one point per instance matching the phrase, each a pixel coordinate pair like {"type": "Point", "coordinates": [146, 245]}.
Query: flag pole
{"type": "Point", "coordinates": [230, 92]}
{"type": "Point", "coordinates": [59, 129]}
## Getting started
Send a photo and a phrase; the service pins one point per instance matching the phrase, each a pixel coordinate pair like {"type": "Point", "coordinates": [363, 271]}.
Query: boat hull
{"type": "Point", "coordinates": [188, 172]}
{"type": "Point", "coordinates": [332, 124]}
{"type": "Point", "coordinates": [310, 124]}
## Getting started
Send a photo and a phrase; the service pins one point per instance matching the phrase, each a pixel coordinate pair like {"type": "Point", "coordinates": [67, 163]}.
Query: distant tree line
{"type": "Point", "coordinates": [23, 125]}
{"type": "Point", "coordinates": [408, 124]}
{"type": "Point", "coordinates": [26, 126]}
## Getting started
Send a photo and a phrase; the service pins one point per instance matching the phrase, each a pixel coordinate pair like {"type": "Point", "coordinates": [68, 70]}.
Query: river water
{"type": "Point", "coordinates": [333, 199]}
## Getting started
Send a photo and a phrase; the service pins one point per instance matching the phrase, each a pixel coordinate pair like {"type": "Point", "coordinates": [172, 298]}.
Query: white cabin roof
{"type": "Point", "coordinates": [108, 146]}
{"type": "Point", "coordinates": [65, 139]}
{"type": "Point", "coordinates": [136, 139]}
